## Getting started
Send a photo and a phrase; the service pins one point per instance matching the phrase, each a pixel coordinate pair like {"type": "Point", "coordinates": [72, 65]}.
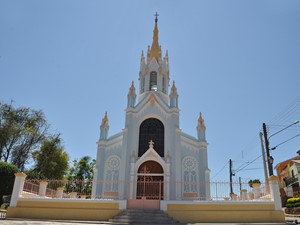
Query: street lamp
{"type": "Point", "coordinates": [270, 159]}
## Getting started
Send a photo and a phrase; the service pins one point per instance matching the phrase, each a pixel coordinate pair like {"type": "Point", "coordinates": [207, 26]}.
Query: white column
{"type": "Point", "coordinates": [131, 184]}
{"type": "Point", "coordinates": [207, 186]}
{"type": "Point", "coordinates": [256, 190]}
{"type": "Point", "coordinates": [275, 194]}
{"type": "Point", "coordinates": [167, 182]}
{"type": "Point", "coordinates": [42, 188]}
{"type": "Point", "coordinates": [18, 188]}
{"type": "Point", "coordinates": [94, 185]}
{"type": "Point", "coordinates": [243, 194]}
{"type": "Point", "coordinates": [60, 192]}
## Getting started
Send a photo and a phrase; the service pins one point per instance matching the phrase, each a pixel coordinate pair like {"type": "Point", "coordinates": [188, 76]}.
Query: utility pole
{"type": "Point", "coordinates": [240, 181]}
{"type": "Point", "coordinates": [230, 176]}
{"type": "Point", "coordinates": [269, 157]}
{"type": "Point", "coordinates": [264, 157]}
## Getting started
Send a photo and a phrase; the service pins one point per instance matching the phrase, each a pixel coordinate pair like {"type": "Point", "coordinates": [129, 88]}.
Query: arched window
{"type": "Point", "coordinates": [112, 167]}
{"type": "Point", "coordinates": [189, 170]}
{"type": "Point", "coordinates": [151, 129]}
{"type": "Point", "coordinates": [153, 81]}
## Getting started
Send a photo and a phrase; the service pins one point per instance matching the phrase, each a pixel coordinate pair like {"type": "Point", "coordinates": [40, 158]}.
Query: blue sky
{"type": "Point", "coordinates": [235, 61]}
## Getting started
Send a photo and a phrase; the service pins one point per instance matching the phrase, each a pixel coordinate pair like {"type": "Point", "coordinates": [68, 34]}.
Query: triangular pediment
{"type": "Point", "coordinates": [153, 64]}
{"type": "Point", "coordinates": [150, 155]}
{"type": "Point", "coordinates": [153, 100]}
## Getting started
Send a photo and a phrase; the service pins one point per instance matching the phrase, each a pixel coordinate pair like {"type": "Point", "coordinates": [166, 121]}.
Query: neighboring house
{"type": "Point", "coordinates": [293, 179]}
{"type": "Point", "coordinates": [289, 175]}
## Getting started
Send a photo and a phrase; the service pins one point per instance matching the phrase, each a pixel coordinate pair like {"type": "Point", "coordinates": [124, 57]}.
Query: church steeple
{"type": "Point", "coordinates": [155, 50]}
{"type": "Point", "coordinates": [154, 74]}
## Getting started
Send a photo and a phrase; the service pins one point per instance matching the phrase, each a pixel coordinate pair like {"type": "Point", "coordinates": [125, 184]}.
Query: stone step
{"type": "Point", "coordinates": [142, 221]}
{"type": "Point", "coordinates": [142, 217]}
{"type": "Point", "coordinates": [163, 217]}
{"type": "Point", "coordinates": [143, 214]}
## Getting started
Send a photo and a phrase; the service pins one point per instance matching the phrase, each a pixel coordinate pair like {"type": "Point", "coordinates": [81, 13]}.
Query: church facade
{"type": "Point", "coordinates": [151, 157]}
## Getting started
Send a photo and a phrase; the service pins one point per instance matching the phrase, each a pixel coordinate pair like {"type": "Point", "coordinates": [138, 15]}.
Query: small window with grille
{"type": "Point", "coordinates": [153, 81]}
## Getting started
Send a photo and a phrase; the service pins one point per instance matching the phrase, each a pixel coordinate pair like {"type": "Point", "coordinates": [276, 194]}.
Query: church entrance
{"type": "Point", "coordinates": [150, 183]}
{"type": "Point", "coordinates": [149, 186]}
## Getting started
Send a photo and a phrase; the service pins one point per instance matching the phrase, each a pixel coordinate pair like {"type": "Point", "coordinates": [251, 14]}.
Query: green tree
{"type": "Point", "coordinates": [82, 169]}
{"type": "Point", "coordinates": [7, 179]}
{"type": "Point", "coordinates": [21, 130]}
{"type": "Point", "coordinates": [81, 175]}
{"type": "Point", "coordinates": [51, 161]}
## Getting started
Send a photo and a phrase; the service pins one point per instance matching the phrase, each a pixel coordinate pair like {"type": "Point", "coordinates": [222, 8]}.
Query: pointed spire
{"type": "Point", "coordinates": [201, 121]}
{"type": "Point", "coordinates": [201, 129]}
{"type": "Point", "coordinates": [142, 58]}
{"type": "Point", "coordinates": [173, 88]}
{"type": "Point", "coordinates": [132, 89]}
{"type": "Point", "coordinates": [155, 48]}
{"type": "Point", "coordinates": [148, 54]}
{"type": "Point", "coordinates": [173, 96]}
{"type": "Point", "coordinates": [104, 121]}
{"type": "Point", "coordinates": [104, 128]}
{"type": "Point", "coordinates": [131, 96]}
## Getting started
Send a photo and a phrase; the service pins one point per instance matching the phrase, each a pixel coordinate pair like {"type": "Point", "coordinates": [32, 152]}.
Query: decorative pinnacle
{"type": "Point", "coordinates": [173, 87]}
{"type": "Point", "coordinates": [201, 121]}
{"type": "Point", "coordinates": [132, 88]}
{"type": "Point", "coordinates": [104, 120]}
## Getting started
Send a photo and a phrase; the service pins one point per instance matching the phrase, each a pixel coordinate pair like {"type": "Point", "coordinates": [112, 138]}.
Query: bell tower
{"type": "Point", "coordinates": [154, 70]}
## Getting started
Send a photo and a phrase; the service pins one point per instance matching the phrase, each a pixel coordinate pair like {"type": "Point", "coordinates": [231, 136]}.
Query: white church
{"type": "Point", "coordinates": [151, 158]}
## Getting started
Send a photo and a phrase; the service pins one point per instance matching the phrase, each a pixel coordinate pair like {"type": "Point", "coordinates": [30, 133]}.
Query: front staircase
{"type": "Point", "coordinates": [135, 216]}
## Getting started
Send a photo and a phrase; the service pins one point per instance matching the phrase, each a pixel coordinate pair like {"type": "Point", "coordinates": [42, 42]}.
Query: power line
{"type": "Point", "coordinates": [220, 170]}
{"type": "Point", "coordinates": [285, 115]}
{"type": "Point", "coordinates": [248, 164]}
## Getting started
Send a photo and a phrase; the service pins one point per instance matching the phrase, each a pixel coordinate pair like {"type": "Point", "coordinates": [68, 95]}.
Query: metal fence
{"type": "Point", "coordinates": [81, 188]}
{"type": "Point", "coordinates": [2, 214]}
{"type": "Point", "coordinates": [148, 189]}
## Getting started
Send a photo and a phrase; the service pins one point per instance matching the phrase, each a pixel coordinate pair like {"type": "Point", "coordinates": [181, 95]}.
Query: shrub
{"type": "Point", "coordinates": [289, 205]}
{"type": "Point", "coordinates": [7, 178]}
{"type": "Point", "coordinates": [4, 206]}
{"type": "Point", "coordinates": [293, 200]}
{"type": "Point", "coordinates": [297, 204]}
{"type": "Point", "coordinates": [257, 181]}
